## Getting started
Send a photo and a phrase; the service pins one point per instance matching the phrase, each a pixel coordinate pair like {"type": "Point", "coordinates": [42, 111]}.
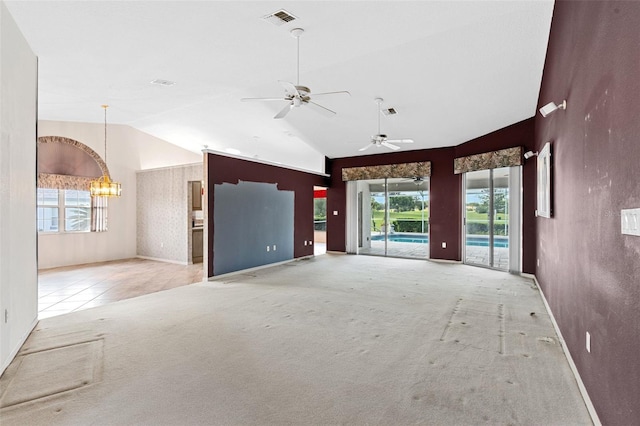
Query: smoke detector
{"type": "Point", "coordinates": [161, 82]}
{"type": "Point", "coordinates": [389, 111]}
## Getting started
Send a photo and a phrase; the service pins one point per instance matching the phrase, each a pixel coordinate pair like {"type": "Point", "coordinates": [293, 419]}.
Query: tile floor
{"type": "Point", "coordinates": [72, 288]}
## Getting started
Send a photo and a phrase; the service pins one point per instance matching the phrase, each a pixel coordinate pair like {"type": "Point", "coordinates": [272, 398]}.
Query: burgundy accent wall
{"type": "Point", "coordinates": [222, 169]}
{"type": "Point", "coordinates": [589, 271]}
{"type": "Point", "coordinates": [445, 188]}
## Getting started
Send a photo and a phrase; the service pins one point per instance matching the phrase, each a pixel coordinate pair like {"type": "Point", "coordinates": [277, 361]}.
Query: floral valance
{"type": "Point", "coordinates": [489, 160]}
{"type": "Point", "coordinates": [404, 170]}
{"type": "Point", "coordinates": [47, 180]}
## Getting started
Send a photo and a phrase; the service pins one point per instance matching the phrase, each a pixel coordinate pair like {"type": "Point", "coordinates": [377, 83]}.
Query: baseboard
{"type": "Point", "coordinates": [583, 390]}
{"type": "Point", "coordinates": [15, 351]}
{"type": "Point", "coordinates": [255, 268]}
{"type": "Point", "coordinates": [157, 259]}
{"type": "Point", "coordinates": [336, 252]}
{"type": "Point", "coordinates": [445, 261]}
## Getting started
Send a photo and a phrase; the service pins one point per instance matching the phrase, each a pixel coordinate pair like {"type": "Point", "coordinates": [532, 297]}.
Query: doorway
{"type": "Point", "coordinates": [319, 220]}
{"type": "Point", "coordinates": [492, 218]}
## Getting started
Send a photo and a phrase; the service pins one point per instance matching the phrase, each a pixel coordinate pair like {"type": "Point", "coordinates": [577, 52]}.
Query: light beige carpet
{"type": "Point", "coordinates": [331, 340]}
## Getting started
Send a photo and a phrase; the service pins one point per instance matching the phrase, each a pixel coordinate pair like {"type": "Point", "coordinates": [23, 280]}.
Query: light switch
{"type": "Point", "coordinates": [335, 212]}
{"type": "Point", "coordinates": [630, 221]}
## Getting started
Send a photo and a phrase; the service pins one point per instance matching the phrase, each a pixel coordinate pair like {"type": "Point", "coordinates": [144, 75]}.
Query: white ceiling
{"type": "Point", "coordinates": [454, 70]}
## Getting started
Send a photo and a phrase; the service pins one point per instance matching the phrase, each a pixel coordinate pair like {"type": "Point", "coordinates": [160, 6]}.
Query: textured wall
{"type": "Point", "coordinates": [162, 214]}
{"type": "Point", "coordinates": [589, 272]}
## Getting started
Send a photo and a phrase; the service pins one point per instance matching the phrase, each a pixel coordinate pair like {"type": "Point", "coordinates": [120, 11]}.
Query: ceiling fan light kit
{"type": "Point", "coordinates": [296, 94]}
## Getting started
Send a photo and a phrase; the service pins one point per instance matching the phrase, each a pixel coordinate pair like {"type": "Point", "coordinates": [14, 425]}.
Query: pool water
{"type": "Point", "coordinates": [500, 242]}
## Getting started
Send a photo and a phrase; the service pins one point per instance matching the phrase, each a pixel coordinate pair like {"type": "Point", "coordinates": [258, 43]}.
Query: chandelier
{"type": "Point", "coordinates": [104, 187]}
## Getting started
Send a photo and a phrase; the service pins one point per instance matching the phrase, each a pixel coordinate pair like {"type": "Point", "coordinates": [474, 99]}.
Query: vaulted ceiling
{"type": "Point", "coordinates": [453, 70]}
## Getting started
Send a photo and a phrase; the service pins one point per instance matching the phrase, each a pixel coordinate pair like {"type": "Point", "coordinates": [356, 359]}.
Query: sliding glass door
{"type": "Point", "coordinates": [487, 217]}
{"type": "Point", "coordinates": [395, 217]}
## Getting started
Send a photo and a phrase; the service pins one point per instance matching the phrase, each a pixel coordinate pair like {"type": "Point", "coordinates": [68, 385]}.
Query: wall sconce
{"type": "Point", "coordinates": [551, 106]}
{"type": "Point", "coordinates": [530, 154]}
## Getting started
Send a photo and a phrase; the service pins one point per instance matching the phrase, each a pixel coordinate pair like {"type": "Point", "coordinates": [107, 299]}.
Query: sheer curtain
{"type": "Point", "coordinates": [98, 214]}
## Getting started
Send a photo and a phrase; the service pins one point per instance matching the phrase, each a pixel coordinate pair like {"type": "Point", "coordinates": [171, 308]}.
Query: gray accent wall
{"type": "Point", "coordinates": [254, 226]}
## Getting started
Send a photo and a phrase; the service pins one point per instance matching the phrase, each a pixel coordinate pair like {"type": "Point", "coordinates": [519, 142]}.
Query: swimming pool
{"type": "Point", "coordinates": [474, 241]}
{"type": "Point", "coordinates": [403, 238]}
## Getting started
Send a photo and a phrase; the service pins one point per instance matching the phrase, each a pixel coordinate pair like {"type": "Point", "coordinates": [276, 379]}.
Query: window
{"type": "Point", "coordinates": [69, 210]}
{"type": "Point", "coordinates": [77, 211]}
{"type": "Point", "coordinates": [48, 214]}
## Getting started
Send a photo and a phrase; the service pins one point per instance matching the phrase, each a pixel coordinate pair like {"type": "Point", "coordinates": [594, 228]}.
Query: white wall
{"type": "Point", "coordinates": [163, 219]}
{"type": "Point", "coordinates": [128, 150]}
{"type": "Point", "coordinates": [18, 115]}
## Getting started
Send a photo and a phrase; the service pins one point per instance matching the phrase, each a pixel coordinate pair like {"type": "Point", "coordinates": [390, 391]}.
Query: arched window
{"type": "Point", "coordinates": [66, 168]}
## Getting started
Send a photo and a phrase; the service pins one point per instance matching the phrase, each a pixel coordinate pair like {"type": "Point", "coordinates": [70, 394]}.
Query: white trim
{"type": "Point", "coordinates": [157, 259]}
{"type": "Point", "coordinates": [460, 262]}
{"type": "Point", "coordinates": [17, 348]}
{"type": "Point", "coordinates": [269, 163]}
{"type": "Point", "coordinates": [256, 268]}
{"type": "Point", "coordinates": [351, 221]}
{"type": "Point", "coordinates": [572, 365]}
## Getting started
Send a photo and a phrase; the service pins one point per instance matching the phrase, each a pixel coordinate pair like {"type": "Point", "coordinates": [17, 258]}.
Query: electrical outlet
{"type": "Point", "coordinates": [444, 244]}
{"type": "Point", "coordinates": [274, 247]}
{"type": "Point", "coordinates": [310, 243]}
{"type": "Point", "coordinates": [305, 242]}
{"type": "Point", "coordinates": [538, 262]}
{"type": "Point", "coordinates": [588, 342]}
{"type": "Point", "coordinates": [268, 248]}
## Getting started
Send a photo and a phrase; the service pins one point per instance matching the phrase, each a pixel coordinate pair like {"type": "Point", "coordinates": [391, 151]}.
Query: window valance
{"type": "Point", "coordinates": [403, 170]}
{"type": "Point", "coordinates": [489, 160]}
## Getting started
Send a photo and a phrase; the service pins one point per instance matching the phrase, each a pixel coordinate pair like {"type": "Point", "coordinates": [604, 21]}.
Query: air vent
{"type": "Point", "coordinates": [389, 111]}
{"type": "Point", "coordinates": [280, 17]}
{"type": "Point", "coordinates": [160, 82]}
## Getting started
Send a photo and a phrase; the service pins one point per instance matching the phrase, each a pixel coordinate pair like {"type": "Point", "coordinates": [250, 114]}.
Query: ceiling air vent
{"type": "Point", "coordinates": [389, 111]}
{"type": "Point", "coordinates": [280, 17]}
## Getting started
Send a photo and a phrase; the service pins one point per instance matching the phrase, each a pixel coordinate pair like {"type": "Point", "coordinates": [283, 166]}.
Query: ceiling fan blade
{"type": "Point", "coordinates": [289, 88]}
{"type": "Point", "coordinates": [321, 109]}
{"type": "Point", "coordinates": [388, 145]}
{"type": "Point", "coordinates": [400, 140]}
{"type": "Point", "coordinates": [261, 99]}
{"type": "Point", "coordinates": [341, 92]}
{"type": "Point", "coordinates": [284, 111]}
{"type": "Point", "coordinates": [364, 148]}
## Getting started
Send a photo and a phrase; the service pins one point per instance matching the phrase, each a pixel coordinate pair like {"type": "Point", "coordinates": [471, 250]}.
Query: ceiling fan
{"type": "Point", "coordinates": [381, 139]}
{"type": "Point", "coordinates": [295, 94]}
{"type": "Point", "coordinates": [417, 180]}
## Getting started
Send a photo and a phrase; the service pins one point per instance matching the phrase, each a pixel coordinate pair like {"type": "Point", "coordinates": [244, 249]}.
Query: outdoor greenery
{"type": "Point", "coordinates": [320, 208]}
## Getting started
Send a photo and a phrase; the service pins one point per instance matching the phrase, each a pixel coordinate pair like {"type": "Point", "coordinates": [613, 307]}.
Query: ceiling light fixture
{"type": "Point", "coordinates": [530, 154]}
{"type": "Point", "coordinates": [551, 107]}
{"type": "Point", "coordinates": [104, 187]}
